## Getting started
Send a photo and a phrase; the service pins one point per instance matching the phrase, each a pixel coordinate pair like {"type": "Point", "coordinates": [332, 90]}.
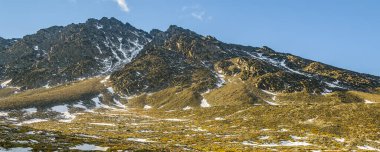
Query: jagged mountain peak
{"type": "Point", "coordinates": [261, 67]}
{"type": "Point", "coordinates": [64, 53]}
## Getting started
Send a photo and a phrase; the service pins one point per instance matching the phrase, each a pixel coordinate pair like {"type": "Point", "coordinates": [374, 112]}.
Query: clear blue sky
{"type": "Point", "coordinates": [344, 33]}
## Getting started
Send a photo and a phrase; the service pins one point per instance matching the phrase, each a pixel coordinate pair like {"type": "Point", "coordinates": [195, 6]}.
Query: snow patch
{"type": "Point", "coordinates": [282, 143]}
{"type": "Point", "coordinates": [219, 118]}
{"type": "Point", "coordinates": [187, 108]}
{"type": "Point", "coordinates": [369, 148]}
{"type": "Point", "coordinates": [64, 110]}
{"type": "Point", "coordinates": [89, 147]}
{"type": "Point", "coordinates": [264, 137]}
{"type": "Point", "coordinates": [18, 149]}
{"type": "Point", "coordinates": [139, 140]}
{"type": "Point", "coordinates": [220, 78]}
{"type": "Point", "coordinates": [297, 137]}
{"type": "Point", "coordinates": [5, 83]}
{"type": "Point", "coordinates": [147, 107]}
{"type": "Point", "coordinates": [368, 102]}
{"type": "Point", "coordinates": [30, 110]}
{"type": "Point", "coordinates": [3, 114]}
{"type": "Point", "coordinates": [342, 140]}
{"type": "Point", "coordinates": [204, 103]}
{"type": "Point", "coordinates": [99, 26]}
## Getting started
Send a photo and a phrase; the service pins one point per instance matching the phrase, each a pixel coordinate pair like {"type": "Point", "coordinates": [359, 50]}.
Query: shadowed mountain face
{"type": "Point", "coordinates": [60, 54]}
{"type": "Point", "coordinates": [174, 58]}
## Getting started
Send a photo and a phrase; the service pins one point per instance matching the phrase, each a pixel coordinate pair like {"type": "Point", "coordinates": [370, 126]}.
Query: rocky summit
{"type": "Point", "coordinates": [61, 54]}
{"type": "Point", "coordinates": [104, 85]}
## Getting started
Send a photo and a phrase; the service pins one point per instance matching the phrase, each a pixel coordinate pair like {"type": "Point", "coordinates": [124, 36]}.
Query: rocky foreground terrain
{"type": "Point", "coordinates": [104, 85]}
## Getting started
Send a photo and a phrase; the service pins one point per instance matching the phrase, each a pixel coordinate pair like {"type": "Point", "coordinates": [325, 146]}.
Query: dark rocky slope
{"type": "Point", "coordinates": [60, 54]}
{"type": "Point", "coordinates": [173, 57]}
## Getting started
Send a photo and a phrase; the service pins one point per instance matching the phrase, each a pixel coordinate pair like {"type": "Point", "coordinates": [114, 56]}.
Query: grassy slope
{"type": "Point", "coordinates": [318, 124]}
{"type": "Point", "coordinates": [59, 94]}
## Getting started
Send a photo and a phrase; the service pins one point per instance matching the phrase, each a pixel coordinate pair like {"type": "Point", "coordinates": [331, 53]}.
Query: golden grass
{"type": "Point", "coordinates": [366, 96]}
{"type": "Point", "coordinates": [170, 98]}
{"type": "Point", "coordinates": [6, 92]}
{"type": "Point", "coordinates": [320, 124]}
{"type": "Point", "coordinates": [64, 93]}
{"type": "Point", "coordinates": [232, 93]}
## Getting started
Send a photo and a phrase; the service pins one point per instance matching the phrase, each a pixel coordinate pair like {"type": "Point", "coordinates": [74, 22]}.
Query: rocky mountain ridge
{"type": "Point", "coordinates": [60, 54]}
{"type": "Point", "coordinates": [159, 60]}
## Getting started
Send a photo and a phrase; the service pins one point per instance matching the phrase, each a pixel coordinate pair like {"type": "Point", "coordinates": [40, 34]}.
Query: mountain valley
{"type": "Point", "coordinates": [104, 85]}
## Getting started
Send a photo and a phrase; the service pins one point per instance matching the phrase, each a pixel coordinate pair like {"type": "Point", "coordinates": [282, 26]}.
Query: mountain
{"type": "Point", "coordinates": [4, 44]}
{"type": "Point", "coordinates": [61, 54]}
{"type": "Point", "coordinates": [104, 85]}
{"type": "Point", "coordinates": [190, 65]}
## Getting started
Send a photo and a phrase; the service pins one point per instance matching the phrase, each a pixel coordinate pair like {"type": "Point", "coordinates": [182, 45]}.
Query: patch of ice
{"type": "Point", "coordinates": [89, 147]}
